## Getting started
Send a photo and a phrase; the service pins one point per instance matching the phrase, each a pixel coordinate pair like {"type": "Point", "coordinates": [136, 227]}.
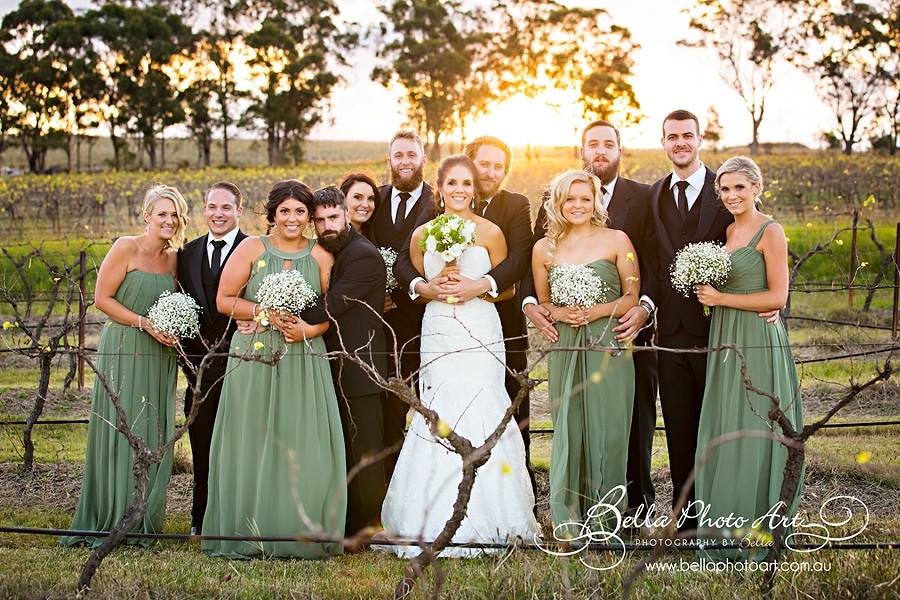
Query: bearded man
{"type": "Point", "coordinates": [403, 203]}
{"type": "Point", "coordinates": [353, 304]}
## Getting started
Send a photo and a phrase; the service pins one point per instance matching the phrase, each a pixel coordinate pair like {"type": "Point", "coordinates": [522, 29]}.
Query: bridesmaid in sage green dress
{"type": "Point", "coordinates": [591, 390]}
{"type": "Point", "coordinates": [743, 477]}
{"type": "Point", "coordinates": [139, 363]}
{"type": "Point", "coordinates": [277, 465]}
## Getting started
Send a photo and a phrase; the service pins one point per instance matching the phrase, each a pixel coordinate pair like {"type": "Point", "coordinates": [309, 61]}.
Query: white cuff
{"type": "Point", "coordinates": [493, 291]}
{"type": "Point", "coordinates": [412, 287]}
{"type": "Point", "coordinates": [528, 300]}
{"type": "Point", "coordinates": [648, 301]}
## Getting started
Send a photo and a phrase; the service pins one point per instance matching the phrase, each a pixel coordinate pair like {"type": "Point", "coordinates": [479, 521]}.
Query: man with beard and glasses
{"type": "Point", "coordinates": [628, 206]}
{"type": "Point", "coordinates": [353, 304]}
{"type": "Point", "coordinates": [404, 203]}
{"type": "Point", "coordinates": [511, 212]}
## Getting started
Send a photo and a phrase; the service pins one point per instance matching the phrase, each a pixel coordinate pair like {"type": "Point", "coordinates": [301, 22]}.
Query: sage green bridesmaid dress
{"type": "Point", "coordinates": [277, 464]}
{"type": "Point", "coordinates": [743, 477]}
{"type": "Point", "coordinates": [591, 396]}
{"type": "Point", "coordinates": [144, 374]}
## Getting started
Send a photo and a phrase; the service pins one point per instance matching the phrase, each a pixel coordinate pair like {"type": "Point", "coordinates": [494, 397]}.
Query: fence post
{"type": "Point", "coordinates": [82, 313]}
{"type": "Point", "coordinates": [853, 259]}
{"type": "Point", "coordinates": [896, 282]}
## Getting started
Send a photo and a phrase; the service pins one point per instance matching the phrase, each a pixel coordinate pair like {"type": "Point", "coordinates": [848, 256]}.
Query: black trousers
{"type": "Point", "coordinates": [362, 421]}
{"type": "Point", "coordinates": [643, 426]}
{"type": "Point", "coordinates": [201, 432]}
{"type": "Point", "coordinates": [395, 409]}
{"type": "Point", "coordinates": [682, 379]}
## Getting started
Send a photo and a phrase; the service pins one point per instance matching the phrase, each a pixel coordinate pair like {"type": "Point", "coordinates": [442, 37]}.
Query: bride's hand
{"type": "Point", "coordinates": [465, 289]}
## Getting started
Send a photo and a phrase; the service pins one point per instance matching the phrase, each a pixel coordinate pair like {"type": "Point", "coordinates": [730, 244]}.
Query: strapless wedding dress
{"type": "Point", "coordinates": [462, 379]}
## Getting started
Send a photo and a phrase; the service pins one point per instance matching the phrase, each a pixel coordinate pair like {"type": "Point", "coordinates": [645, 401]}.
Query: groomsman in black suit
{"type": "Point", "coordinates": [354, 303]}
{"type": "Point", "coordinates": [686, 210]}
{"type": "Point", "coordinates": [511, 212]}
{"type": "Point", "coordinates": [628, 206]}
{"type": "Point", "coordinates": [200, 263]}
{"type": "Point", "coordinates": [403, 203]}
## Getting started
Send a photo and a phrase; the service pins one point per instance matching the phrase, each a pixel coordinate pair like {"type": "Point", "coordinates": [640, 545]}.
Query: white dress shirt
{"type": "Point", "coordinates": [229, 242]}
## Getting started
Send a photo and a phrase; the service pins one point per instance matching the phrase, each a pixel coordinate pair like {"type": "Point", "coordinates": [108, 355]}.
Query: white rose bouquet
{"type": "Point", "coordinates": [285, 291]}
{"type": "Point", "coordinates": [701, 263]}
{"type": "Point", "coordinates": [389, 255]}
{"type": "Point", "coordinates": [448, 235]}
{"type": "Point", "coordinates": [175, 314]}
{"type": "Point", "coordinates": [576, 285]}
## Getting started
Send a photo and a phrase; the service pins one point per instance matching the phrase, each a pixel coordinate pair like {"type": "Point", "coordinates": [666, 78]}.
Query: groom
{"type": "Point", "coordinates": [511, 212]}
{"type": "Point", "coordinates": [353, 304]}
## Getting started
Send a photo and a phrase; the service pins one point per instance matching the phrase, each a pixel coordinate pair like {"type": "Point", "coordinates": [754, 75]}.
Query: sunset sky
{"type": "Point", "coordinates": [666, 77]}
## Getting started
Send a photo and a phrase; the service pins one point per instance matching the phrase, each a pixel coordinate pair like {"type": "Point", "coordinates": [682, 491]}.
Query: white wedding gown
{"type": "Point", "coordinates": [462, 379]}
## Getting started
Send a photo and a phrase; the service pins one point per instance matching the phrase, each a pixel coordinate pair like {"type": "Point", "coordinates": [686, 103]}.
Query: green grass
{"type": "Point", "coordinates": [178, 571]}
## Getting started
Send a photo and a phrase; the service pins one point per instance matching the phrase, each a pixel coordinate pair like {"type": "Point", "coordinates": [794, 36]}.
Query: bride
{"type": "Point", "coordinates": [462, 379]}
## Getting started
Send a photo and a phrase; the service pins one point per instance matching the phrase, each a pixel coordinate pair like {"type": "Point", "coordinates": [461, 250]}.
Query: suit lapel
{"type": "Point", "coordinates": [195, 266]}
{"type": "Point", "coordinates": [661, 232]}
{"type": "Point", "coordinates": [709, 208]}
{"type": "Point", "coordinates": [618, 207]}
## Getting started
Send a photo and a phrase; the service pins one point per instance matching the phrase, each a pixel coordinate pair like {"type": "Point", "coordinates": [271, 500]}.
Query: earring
{"type": "Point", "coordinates": [441, 203]}
{"type": "Point", "coordinates": [472, 203]}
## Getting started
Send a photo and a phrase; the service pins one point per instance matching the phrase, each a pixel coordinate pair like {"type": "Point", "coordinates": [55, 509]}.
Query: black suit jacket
{"type": "Point", "coordinates": [511, 212]}
{"type": "Point", "coordinates": [354, 303]}
{"type": "Point", "coordinates": [675, 309]}
{"type": "Point", "coordinates": [214, 326]}
{"type": "Point", "coordinates": [406, 319]}
{"type": "Point", "coordinates": [629, 211]}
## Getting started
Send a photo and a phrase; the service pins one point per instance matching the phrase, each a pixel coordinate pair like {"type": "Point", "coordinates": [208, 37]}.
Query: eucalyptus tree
{"type": "Point", "coordinates": [586, 53]}
{"type": "Point", "coordinates": [847, 53]}
{"type": "Point", "coordinates": [750, 39]}
{"type": "Point", "coordinates": [456, 61]}
{"type": "Point", "coordinates": [140, 52]}
{"type": "Point", "coordinates": [293, 52]}
{"type": "Point", "coordinates": [36, 81]}
{"type": "Point", "coordinates": [427, 48]}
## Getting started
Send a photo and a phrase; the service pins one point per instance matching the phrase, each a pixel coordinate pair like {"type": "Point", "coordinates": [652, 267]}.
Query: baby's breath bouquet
{"type": "Point", "coordinates": [576, 285]}
{"type": "Point", "coordinates": [389, 255]}
{"type": "Point", "coordinates": [285, 291]}
{"type": "Point", "coordinates": [701, 263]}
{"type": "Point", "coordinates": [175, 314]}
{"type": "Point", "coordinates": [448, 235]}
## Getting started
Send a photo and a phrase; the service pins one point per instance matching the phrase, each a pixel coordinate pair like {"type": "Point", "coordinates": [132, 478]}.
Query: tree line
{"type": "Point", "coordinates": [132, 70]}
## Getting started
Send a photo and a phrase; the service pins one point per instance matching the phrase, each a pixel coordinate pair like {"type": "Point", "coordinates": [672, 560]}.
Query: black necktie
{"type": "Point", "coordinates": [682, 199]}
{"type": "Point", "coordinates": [480, 206]}
{"type": "Point", "coordinates": [401, 210]}
{"type": "Point", "coordinates": [603, 191]}
{"type": "Point", "coordinates": [216, 262]}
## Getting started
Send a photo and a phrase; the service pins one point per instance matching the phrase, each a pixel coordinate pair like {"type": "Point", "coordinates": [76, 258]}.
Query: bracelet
{"type": "Point", "coordinates": [255, 308]}
{"type": "Point", "coordinates": [645, 307]}
{"type": "Point", "coordinates": [140, 325]}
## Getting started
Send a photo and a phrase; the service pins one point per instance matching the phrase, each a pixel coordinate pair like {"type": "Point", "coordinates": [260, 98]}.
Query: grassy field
{"type": "Point", "coordinates": [63, 214]}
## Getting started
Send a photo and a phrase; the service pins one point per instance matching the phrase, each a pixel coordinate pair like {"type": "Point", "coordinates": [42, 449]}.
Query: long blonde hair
{"type": "Point", "coordinates": [167, 192]}
{"type": "Point", "coordinates": [557, 225]}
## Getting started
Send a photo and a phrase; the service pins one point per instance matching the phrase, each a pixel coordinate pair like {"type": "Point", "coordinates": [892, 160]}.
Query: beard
{"type": "Point", "coordinates": [335, 242]}
{"type": "Point", "coordinates": [487, 191]}
{"type": "Point", "coordinates": [411, 182]}
{"type": "Point", "coordinates": [606, 172]}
